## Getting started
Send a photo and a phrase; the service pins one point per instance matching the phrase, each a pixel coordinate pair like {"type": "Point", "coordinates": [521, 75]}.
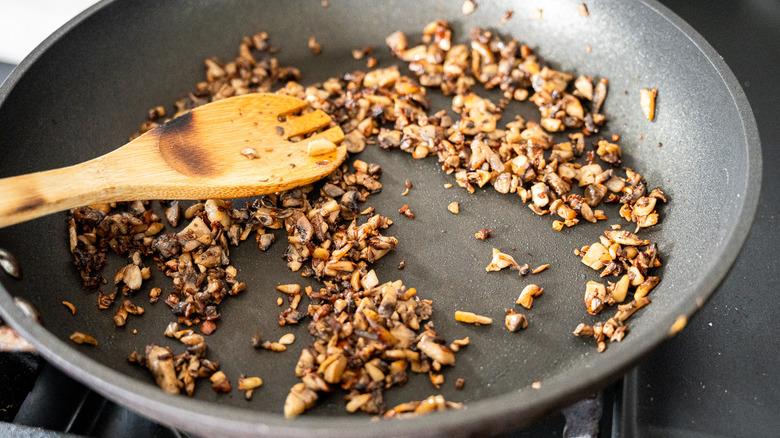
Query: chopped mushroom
{"type": "Point", "coordinates": [472, 318]}
{"type": "Point", "coordinates": [483, 234]}
{"type": "Point", "coordinates": [595, 297]}
{"type": "Point", "coordinates": [515, 321]}
{"type": "Point", "coordinates": [287, 339]}
{"type": "Point", "coordinates": [220, 382]}
{"type": "Point", "coordinates": [360, 53]}
{"type": "Point", "coordinates": [625, 238]}
{"type": "Point", "coordinates": [434, 403]}
{"type": "Point", "coordinates": [154, 295]}
{"type": "Point", "coordinates": [314, 46]}
{"type": "Point", "coordinates": [289, 288]}
{"type": "Point", "coordinates": [526, 298]}
{"type": "Point", "coordinates": [441, 353]}
{"type": "Point", "coordinates": [173, 213]}
{"type": "Point", "coordinates": [619, 254]}
{"type": "Point", "coordinates": [321, 147]}
{"type": "Point", "coordinates": [248, 385]}
{"type": "Point", "coordinates": [298, 400]}
{"type": "Point", "coordinates": [647, 101]}
{"type": "Point", "coordinates": [131, 275]}
{"type": "Point", "coordinates": [468, 7]}
{"type": "Point", "coordinates": [159, 361]}
{"type": "Point", "coordinates": [501, 261]}
{"type": "Point", "coordinates": [594, 255]}
{"type": "Point", "coordinates": [207, 327]}
{"type": "Point", "coordinates": [83, 338]}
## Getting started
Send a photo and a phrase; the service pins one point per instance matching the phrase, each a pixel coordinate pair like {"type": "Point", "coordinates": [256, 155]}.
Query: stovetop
{"type": "Point", "coordinates": [718, 377]}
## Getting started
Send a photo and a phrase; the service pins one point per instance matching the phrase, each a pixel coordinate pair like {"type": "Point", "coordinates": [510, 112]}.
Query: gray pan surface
{"type": "Point", "coordinates": [89, 86]}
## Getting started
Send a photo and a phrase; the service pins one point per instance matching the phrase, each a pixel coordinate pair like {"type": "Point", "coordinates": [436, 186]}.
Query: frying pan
{"type": "Point", "coordinates": [86, 88]}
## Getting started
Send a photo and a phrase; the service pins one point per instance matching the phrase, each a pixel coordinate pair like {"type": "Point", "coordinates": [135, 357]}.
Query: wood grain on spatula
{"type": "Point", "coordinates": [197, 155]}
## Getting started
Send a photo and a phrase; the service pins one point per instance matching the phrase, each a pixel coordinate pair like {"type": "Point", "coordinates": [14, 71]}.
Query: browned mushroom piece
{"type": "Point", "coordinates": [527, 295]}
{"type": "Point", "coordinates": [647, 101]}
{"type": "Point", "coordinates": [483, 234]}
{"type": "Point", "coordinates": [159, 361]}
{"type": "Point", "coordinates": [515, 321]}
{"type": "Point", "coordinates": [502, 260]}
{"type": "Point", "coordinates": [314, 46]}
{"type": "Point", "coordinates": [83, 338]}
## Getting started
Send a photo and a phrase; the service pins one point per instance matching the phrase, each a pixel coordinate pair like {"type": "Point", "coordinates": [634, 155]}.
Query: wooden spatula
{"type": "Point", "coordinates": [225, 149]}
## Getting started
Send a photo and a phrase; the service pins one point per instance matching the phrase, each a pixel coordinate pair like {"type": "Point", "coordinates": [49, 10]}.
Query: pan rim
{"type": "Point", "coordinates": [509, 409]}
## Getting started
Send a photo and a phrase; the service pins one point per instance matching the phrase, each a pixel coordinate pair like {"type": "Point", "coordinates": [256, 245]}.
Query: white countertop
{"type": "Point", "coordinates": [26, 23]}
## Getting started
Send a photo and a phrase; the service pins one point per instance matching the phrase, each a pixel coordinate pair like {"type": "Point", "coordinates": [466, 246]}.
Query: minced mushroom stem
{"type": "Point", "coordinates": [287, 339]}
{"type": "Point", "coordinates": [472, 318]}
{"type": "Point", "coordinates": [647, 101]}
{"type": "Point", "coordinates": [434, 403]}
{"type": "Point", "coordinates": [83, 338]}
{"type": "Point", "coordinates": [249, 383]}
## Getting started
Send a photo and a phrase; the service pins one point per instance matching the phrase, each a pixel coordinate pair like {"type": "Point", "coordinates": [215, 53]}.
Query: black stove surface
{"type": "Point", "coordinates": [718, 377]}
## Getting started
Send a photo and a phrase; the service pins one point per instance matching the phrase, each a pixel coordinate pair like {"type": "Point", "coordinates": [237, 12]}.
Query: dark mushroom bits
{"type": "Point", "coordinates": [369, 334]}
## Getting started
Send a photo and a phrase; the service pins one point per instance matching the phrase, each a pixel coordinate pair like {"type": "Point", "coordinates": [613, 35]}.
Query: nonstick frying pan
{"type": "Point", "coordinates": [89, 86]}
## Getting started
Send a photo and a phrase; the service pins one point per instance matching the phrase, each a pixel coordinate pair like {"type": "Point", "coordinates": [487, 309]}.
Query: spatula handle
{"type": "Point", "coordinates": [37, 194]}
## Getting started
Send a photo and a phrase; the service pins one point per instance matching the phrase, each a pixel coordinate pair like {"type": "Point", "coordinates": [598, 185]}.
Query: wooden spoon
{"type": "Point", "coordinates": [204, 153]}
